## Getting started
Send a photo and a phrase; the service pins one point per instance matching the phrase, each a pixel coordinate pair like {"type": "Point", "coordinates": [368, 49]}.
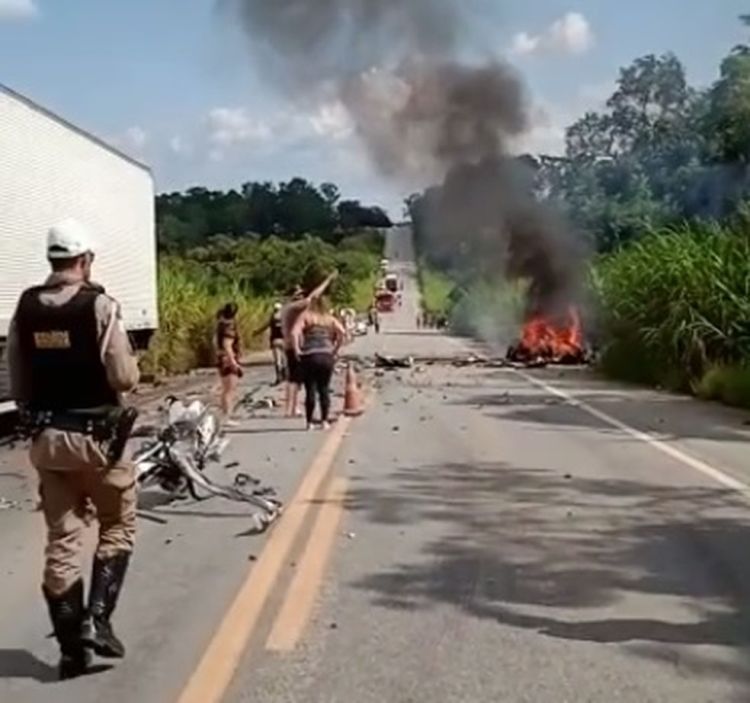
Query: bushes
{"type": "Point", "coordinates": [675, 307]}
{"type": "Point", "coordinates": [728, 384]}
{"type": "Point", "coordinates": [188, 302]}
{"type": "Point", "coordinates": [253, 274]}
{"type": "Point", "coordinates": [437, 289]}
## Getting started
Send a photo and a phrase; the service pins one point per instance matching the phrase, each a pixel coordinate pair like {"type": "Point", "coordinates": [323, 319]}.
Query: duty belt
{"type": "Point", "coordinates": [110, 426]}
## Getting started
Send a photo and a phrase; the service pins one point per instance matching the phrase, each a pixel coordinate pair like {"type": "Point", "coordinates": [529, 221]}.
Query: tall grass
{"type": "Point", "coordinates": [188, 302]}
{"type": "Point", "coordinates": [253, 274]}
{"type": "Point", "coordinates": [675, 305]}
{"type": "Point", "coordinates": [437, 289]}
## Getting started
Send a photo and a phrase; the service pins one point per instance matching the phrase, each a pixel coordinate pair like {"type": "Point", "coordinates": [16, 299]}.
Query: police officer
{"type": "Point", "coordinates": [68, 351]}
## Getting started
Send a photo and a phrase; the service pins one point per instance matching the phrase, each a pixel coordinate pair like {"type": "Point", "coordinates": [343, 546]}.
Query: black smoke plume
{"type": "Point", "coordinates": [426, 118]}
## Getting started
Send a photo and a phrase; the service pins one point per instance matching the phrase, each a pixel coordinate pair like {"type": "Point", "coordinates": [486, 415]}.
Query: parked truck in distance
{"type": "Point", "coordinates": [51, 170]}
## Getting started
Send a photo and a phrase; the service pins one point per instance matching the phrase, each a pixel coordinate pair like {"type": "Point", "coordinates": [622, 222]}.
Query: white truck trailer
{"type": "Point", "coordinates": [51, 170]}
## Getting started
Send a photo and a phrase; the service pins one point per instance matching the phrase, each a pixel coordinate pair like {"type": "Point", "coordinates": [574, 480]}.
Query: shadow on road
{"type": "Point", "coordinates": [653, 413]}
{"type": "Point", "coordinates": [531, 549]}
{"type": "Point", "coordinates": [22, 664]}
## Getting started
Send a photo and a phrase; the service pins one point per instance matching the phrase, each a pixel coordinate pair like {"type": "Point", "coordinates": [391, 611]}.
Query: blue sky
{"type": "Point", "coordinates": [171, 82]}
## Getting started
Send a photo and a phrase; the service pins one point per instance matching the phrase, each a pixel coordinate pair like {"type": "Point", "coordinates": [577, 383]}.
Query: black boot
{"type": "Point", "coordinates": [66, 612]}
{"type": "Point", "coordinates": [106, 582]}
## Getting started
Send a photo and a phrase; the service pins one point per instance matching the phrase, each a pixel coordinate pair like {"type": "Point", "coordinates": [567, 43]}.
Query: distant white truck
{"type": "Point", "coordinates": [51, 170]}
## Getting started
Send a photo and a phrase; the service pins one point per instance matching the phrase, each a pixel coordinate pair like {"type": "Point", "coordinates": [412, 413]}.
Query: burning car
{"type": "Point", "coordinates": [545, 339]}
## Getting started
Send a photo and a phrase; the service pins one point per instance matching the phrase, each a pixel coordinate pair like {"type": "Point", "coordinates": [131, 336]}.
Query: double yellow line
{"type": "Point", "coordinates": [214, 672]}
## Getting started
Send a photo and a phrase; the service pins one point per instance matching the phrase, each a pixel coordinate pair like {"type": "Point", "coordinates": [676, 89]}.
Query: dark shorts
{"type": "Point", "coordinates": [226, 369]}
{"type": "Point", "coordinates": [293, 368]}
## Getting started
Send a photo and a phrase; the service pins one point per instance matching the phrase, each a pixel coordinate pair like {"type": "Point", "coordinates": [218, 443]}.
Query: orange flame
{"type": "Point", "coordinates": [541, 338]}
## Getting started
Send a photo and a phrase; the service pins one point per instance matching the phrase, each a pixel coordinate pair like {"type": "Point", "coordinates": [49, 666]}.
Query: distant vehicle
{"type": "Point", "coordinates": [51, 170]}
{"type": "Point", "coordinates": [385, 301]}
{"type": "Point", "coordinates": [384, 264]}
{"type": "Point", "coordinates": [360, 328]}
{"type": "Point", "coordinates": [391, 282]}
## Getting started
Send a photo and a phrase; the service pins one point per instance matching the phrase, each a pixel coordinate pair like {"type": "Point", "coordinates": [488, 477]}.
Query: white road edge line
{"type": "Point", "coordinates": [696, 464]}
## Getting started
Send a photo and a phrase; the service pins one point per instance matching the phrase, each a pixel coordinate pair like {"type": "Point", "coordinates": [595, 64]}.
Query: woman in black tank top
{"type": "Point", "coordinates": [318, 336]}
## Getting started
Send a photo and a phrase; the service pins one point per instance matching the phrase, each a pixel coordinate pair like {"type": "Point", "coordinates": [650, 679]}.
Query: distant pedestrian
{"type": "Point", "coordinates": [297, 304]}
{"type": "Point", "coordinates": [276, 340]}
{"type": "Point", "coordinates": [374, 318]}
{"type": "Point", "coordinates": [318, 336]}
{"type": "Point", "coordinates": [228, 354]}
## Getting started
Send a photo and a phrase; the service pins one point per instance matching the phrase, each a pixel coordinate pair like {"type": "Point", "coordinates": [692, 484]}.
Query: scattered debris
{"type": "Point", "coordinates": [568, 477]}
{"type": "Point", "coordinates": [168, 540]}
{"type": "Point", "coordinates": [351, 535]}
{"type": "Point", "coordinates": [241, 480]}
{"type": "Point", "coordinates": [6, 504]}
{"type": "Point", "coordinates": [396, 428]}
{"type": "Point", "coordinates": [333, 626]}
{"type": "Point", "coordinates": [252, 557]}
{"type": "Point", "coordinates": [232, 465]}
{"type": "Point", "coordinates": [392, 362]}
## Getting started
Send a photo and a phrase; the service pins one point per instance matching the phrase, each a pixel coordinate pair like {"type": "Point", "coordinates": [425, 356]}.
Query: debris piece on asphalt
{"type": "Point", "coordinates": [567, 477]}
{"type": "Point", "coordinates": [351, 535]}
{"type": "Point", "coordinates": [252, 557]}
{"type": "Point", "coordinates": [241, 480]}
{"type": "Point", "coordinates": [6, 504]}
{"type": "Point", "coordinates": [232, 465]}
{"type": "Point", "coordinates": [391, 362]}
{"type": "Point", "coordinates": [168, 540]}
{"type": "Point", "coordinates": [396, 428]}
{"type": "Point", "coordinates": [334, 626]}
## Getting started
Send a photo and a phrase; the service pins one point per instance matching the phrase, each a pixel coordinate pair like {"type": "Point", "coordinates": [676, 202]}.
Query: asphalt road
{"type": "Point", "coordinates": [478, 535]}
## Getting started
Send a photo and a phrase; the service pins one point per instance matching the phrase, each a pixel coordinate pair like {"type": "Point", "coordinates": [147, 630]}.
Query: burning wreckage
{"type": "Point", "coordinates": [548, 340]}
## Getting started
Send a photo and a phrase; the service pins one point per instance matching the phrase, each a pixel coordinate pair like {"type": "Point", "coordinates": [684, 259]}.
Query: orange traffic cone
{"type": "Point", "coordinates": [352, 396]}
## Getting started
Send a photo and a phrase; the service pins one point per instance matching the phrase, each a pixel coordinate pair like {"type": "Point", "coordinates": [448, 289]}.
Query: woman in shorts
{"type": "Point", "coordinates": [228, 354]}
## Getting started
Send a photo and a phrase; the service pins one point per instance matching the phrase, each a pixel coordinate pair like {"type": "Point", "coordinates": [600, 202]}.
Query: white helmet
{"type": "Point", "coordinates": [68, 239]}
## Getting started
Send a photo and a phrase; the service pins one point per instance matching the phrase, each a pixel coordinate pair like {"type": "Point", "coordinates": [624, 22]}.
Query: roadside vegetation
{"type": "Point", "coordinates": [211, 254]}
{"type": "Point", "coordinates": [675, 310]}
{"type": "Point", "coordinates": [658, 183]}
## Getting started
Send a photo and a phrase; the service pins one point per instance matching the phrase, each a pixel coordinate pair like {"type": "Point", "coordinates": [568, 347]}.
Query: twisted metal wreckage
{"type": "Point", "coordinates": [175, 455]}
